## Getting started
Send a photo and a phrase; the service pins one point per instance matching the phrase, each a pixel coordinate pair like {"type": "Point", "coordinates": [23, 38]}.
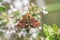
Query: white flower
{"type": "Point", "coordinates": [26, 2]}
{"type": "Point", "coordinates": [17, 4]}
{"type": "Point", "coordinates": [7, 34]}
{"type": "Point", "coordinates": [22, 33]}
{"type": "Point", "coordinates": [12, 8]}
{"type": "Point", "coordinates": [0, 3]}
{"type": "Point", "coordinates": [22, 6]}
{"type": "Point", "coordinates": [40, 28]}
{"type": "Point", "coordinates": [2, 30]}
{"type": "Point", "coordinates": [44, 10]}
{"type": "Point", "coordinates": [34, 35]}
{"type": "Point", "coordinates": [25, 10]}
{"type": "Point", "coordinates": [8, 1]}
{"type": "Point", "coordinates": [33, 32]}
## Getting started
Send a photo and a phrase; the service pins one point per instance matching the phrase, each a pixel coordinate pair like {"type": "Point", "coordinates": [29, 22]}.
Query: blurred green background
{"type": "Point", "coordinates": [53, 16]}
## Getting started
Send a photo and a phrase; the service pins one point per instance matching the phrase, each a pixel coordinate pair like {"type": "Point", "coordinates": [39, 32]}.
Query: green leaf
{"type": "Point", "coordinates": [2, 8]}
{"type": "Point", "coordinates": [45, 29]}
{"type": "Point", "coordinates": [0, 0]}
{"type": "Point", "coordinates": [49, 38]}
{"type": "Point", "coordinates": [16, 13]}
{"type": "Point", "coordinates": [48, 30]}
{"type": "Point", "coordinates": [55, 28]}
{"type": "Point", "coordinates": [1, 18]}
{"type": "Point", "coordinates": [1, 33]}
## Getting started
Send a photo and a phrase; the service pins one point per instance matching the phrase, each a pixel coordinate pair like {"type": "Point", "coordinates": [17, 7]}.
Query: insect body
{"type": "Point", "coordinates": [28, 20]}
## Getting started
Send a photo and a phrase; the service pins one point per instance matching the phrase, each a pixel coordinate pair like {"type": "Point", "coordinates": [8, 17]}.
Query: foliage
{"type": "Point", "coordinates": [3, 19]}
{"type": "Point", "coordinates": [2, 8]}
{"type": "Point", "coordinates": [51, 32]}
{"type": "Point", "coordinates": [16, 13]}
{"type": "Point", "coordinates": [1, 33]}
{"type": "Point", "coordinates": [0, 0]}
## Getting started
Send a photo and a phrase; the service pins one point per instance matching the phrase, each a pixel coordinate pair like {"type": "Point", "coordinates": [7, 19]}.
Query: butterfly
{"type": "Point", "coordinates": [28, 20]}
